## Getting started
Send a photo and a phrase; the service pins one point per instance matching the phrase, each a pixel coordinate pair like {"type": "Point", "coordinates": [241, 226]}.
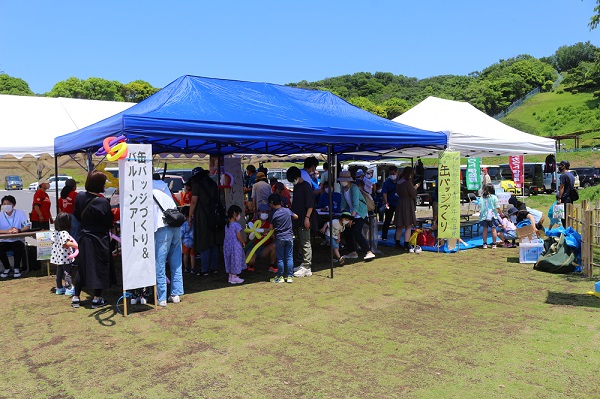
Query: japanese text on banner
{"type": "Point", "coordinates": [137, 217]}
{"type": "Point", "coordinates": [449, 195]}
{"type": "Point", "coordinates": [473, 175]}
{"type": "Point", "coordinates": [516, 165]}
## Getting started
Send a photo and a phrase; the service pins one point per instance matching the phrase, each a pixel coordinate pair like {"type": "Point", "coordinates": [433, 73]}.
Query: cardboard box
{"type": "Point", "coordinates": [530, 252]}
{"type": "Point", "coordinates": [527, 231]}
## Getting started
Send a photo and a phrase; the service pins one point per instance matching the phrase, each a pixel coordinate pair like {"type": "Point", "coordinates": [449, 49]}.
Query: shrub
{"type": "Point", "coordinates": [574, 91]}
{"type": "Point", "coordinates": [560, 91]}
{"type": "Point", "coordinates": [597, 93]}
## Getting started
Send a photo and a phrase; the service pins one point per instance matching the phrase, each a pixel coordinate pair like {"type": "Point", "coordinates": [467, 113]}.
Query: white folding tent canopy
{"type": "Point", "coordinates": [30, 124]}
{"type": "Point", "coordinates": [471, 131]}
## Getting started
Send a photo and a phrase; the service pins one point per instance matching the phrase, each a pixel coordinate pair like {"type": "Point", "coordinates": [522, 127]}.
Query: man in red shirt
{"type": "Point", "coordinates": [40, 214]}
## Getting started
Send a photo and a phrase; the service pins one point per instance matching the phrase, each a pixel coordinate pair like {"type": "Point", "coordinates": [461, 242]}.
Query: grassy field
{"type": "Point", "coordinates": [475, 324]}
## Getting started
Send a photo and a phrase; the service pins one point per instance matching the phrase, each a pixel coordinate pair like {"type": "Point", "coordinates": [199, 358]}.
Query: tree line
{"type": "Point", "coordinates": [385, 94]}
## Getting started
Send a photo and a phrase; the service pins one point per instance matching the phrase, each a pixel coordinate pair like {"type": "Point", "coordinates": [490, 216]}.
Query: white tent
{"type": "Point", "coordinates": [471, 131]}
{"type": "Point", "coordinates": [30, 124]}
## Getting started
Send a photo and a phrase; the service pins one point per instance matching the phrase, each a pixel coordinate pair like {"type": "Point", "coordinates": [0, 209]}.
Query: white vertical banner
{"type": "Point", "coordinates": [137, 217]}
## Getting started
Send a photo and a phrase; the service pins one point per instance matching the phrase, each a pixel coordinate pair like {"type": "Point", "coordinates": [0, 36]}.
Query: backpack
{"type": "Point", "coordinates": [368, 200]}
{"type": "Point", "coordinates": [573, 194]}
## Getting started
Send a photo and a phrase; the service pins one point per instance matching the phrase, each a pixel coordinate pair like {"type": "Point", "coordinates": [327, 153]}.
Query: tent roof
{"type": "Point", "coordinates": [471, 131]}
{"type": "Point", "coordinates": [205, 115]}
{"type": "Point", "coordinates": [30, 124]}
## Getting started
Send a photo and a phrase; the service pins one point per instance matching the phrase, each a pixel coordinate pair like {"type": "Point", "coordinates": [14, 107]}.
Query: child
{"type": "Point", "coordinates": [62, 253]}
{"type": "Point", "coordinates": [187, 244]}
{"type": "Point", "coordinates": [333, 235]}
{"type": "Point", "coordinates": [281, 221]}
{"type": "Point", "coordinates": [267, 249]}
{"type": "Point", "coordinates": [509, 229]}
{"type": "Point", "coordinates": [233, 246]}
{"type": "Point", "coordinates": [488, 211]}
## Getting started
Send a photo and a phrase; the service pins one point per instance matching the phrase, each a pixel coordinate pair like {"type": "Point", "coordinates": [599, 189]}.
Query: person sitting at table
{"type": "Point", "coordinates": [336, 199]}
{"type": "Point", "coordinates": [12, 221]}
{"type": "Point", "coordinates": [40, 214]}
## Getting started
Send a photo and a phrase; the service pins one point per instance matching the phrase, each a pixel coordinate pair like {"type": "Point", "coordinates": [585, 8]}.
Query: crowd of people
{"type": "Point", "coordinates": [83, 226]}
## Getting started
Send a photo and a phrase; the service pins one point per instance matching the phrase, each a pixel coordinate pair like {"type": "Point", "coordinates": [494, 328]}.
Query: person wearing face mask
{"type": "Point", "coordinates": [332, 233]}
{"type": "Point", "coordinates": [303, 205]}
{"type": "Point", "coordinates": [354, 202]}
{"type": "Point", "coordinates": [307, 174]}
{"type": "Point", "coordinates": [336, 199]}
{"type": "Point", "coordinates": [567, 184]}
{"type": "Point", "coordinates": [390, 198]}
{"type": "Point", "coordinates": [12, 221]}
{"type": "Point", "coordinates": [40, 214]}
{"type": "Point", "coordinates": [249, 180]}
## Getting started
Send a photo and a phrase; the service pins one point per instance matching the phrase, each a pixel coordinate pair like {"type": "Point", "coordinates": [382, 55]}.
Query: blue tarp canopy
{"type": "Point", "coordinates": [215, 116]}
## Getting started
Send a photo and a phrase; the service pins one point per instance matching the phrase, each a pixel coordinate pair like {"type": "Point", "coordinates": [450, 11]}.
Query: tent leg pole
{"type": "Point", "coordinates": [56, 181]}
{"type": "Point", "coordinates": [330, 195]}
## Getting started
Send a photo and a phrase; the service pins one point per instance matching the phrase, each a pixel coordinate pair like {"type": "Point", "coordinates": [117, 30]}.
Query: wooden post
{"type": "Point", "coordinates": [125, 303]}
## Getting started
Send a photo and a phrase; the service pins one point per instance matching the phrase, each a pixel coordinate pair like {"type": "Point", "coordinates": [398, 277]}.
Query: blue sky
{"type": "Point", "coordinates": [46, 42]}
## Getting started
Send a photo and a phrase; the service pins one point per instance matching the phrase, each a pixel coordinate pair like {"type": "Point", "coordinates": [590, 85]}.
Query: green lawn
{"type": "Point", "coordinates": [475, 324]}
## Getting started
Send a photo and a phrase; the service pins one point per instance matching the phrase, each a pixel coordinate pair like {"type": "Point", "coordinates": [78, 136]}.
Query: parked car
{"type": "Point", "coordinates": [549, 183]}
{"type": "Point", "coordinates": [58, 182]}
{"type": "Point", "coordinates": [427, 188]}
{"type": "Point", "coordinates": [184, 173]}
{"type": "Point", "coordinates": [33, 186]}
{"type": "Point", "coordinates": [13, 182]}
{"type": "Point", "coordinates": [533, 176]}
{"type": "Point", "coordinates": [174, 182]}
{"type": "Point", "coordinates": [281, 176]}
{"type": "Point", "coordinates": [587, 176]}
{"type": "Point", "coordinates": [575, 175]}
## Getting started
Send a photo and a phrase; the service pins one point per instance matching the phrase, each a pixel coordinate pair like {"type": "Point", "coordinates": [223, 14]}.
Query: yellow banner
{"type": "Point", "coordinates": [449, 194]}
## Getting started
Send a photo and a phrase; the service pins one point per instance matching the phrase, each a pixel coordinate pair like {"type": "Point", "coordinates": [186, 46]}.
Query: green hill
{"type": "Point", "coordinates": [559, 113]}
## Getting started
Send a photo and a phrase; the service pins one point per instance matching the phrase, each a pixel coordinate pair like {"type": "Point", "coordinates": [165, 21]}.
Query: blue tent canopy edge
{"type": "Point", "coordinates": [217, 116]}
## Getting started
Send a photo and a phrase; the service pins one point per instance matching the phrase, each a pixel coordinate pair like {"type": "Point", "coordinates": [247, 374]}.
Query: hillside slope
{"type": "Point", "coordinates": [558, 113]}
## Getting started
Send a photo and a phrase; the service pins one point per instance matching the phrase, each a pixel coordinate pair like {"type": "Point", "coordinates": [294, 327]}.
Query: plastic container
{"type": "Point", "coordinates": [597, 287]}
{"type": "Point", "coordinates": [529, 252]}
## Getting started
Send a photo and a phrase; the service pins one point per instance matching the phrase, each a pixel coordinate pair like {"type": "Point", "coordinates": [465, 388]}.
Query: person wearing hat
{"type": "Point", "coordinates": [354, 202]}
{"type": "Point", "coordinates": [566, 184]}
{"type": "Point", "coordinates": [368, 184]}
{"type": "Point", "coordinates": [260, 192]}
{"type": "Point", "coordinates": [209, 232]}
{"type": "Point", "coordinates": [40, 213]}
{"type": "Point", "coordinates": [66, 204]}
{"type": "Point", "coordinates": [303, 205]}
{"type": "Point", "coordinates": [508, 231]}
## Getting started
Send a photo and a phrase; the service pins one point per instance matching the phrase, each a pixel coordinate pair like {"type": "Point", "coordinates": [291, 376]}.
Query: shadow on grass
{"type": "Point", "coordinates": [105, 316]}
{"type": "Point", "coordinates": [512, 260]}
{"type": "Point", "coordinates": [569, 299]}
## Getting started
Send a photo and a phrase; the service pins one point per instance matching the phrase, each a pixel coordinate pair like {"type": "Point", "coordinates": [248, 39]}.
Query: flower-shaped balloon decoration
{"type": "Point", "coordinates": [255, 229]}
{"type": "Point", "coordinates": [114, 148]}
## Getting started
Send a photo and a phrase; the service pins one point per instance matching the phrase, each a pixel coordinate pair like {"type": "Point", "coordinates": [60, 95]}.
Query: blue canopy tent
{"type": "Point", "coordinates": [215, 116]}
{"type": "Point", "coordinates": [219, 117]}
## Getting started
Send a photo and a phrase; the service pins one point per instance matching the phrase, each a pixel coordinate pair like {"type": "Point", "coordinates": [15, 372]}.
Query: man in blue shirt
{"type": "Point", "coordinates": [390, 198]}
